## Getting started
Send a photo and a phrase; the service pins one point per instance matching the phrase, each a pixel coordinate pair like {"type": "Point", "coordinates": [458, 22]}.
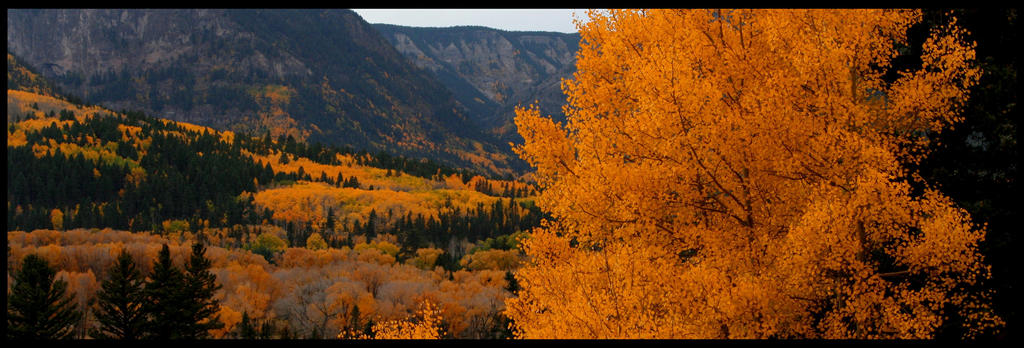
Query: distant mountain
{"type": "Point", "coordinates": [490, 71]}
{"type": "Point", "coordinates": [315, 75]}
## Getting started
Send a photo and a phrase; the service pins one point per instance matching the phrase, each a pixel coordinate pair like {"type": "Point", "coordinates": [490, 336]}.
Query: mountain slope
{"type": "Point", "coordinates": [85, 184]}
{"type": "Point", "coordinates": [491, 71]}
{"type": "Point", "coordinates": [316, 75]}
{"type": "Point", "coordinates": [78, 166]}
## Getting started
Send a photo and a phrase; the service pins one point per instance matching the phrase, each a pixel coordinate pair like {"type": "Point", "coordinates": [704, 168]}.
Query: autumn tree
{"type": "Point", "coordinates": [306, 308]}
{"type": "Point", "coordinates": [424, 324]}
{"type": "Point", "coordinates": [315, 242]}
{"type": "Point", "coordinates": [120, 302]}
{"type": "Point", "coordinates": [38, 307]}
{"type": "Point", "coordinates": [57, 219]}
{"type": "Point", "coordinates": [743, 174]}
{"type": "Point", "coordinates": [267, 245]}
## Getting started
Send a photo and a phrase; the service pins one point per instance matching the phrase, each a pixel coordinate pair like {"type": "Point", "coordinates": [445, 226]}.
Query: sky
{"type": "Point", "coordinates": [556, 20]}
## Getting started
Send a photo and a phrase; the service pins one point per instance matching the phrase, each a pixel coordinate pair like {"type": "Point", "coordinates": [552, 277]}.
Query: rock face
{"type": "Point", "coordinates": [103, 40]}
{"type": "Point", "coordinates": [491, 71]}
{"type": "Point", "coordinates": [317, 75]}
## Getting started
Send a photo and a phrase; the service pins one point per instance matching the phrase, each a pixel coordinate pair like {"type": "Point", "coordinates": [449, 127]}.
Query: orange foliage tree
{"type": "Point", "coordinates": [744, 174]}
{"type": "Point", "coordinates": [425, 324]}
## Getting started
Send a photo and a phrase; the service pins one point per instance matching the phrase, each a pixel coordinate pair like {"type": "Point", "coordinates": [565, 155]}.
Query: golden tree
{"type": "Point", "coordinates": [316, 242]}
{"type": "Point", "coordinates": [424, 325]}
{"type": "Point", "coordinates": [57, 219]}
{"type": "Point", "coordinates": [743, 174]}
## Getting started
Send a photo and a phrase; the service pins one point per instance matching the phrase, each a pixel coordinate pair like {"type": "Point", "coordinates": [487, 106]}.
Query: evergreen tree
{"type": "Point", "coordinates": [246, 329]}
{"type": "Point", "coordinates": [37, 306]}
{"type": "Point", "coordinates": [120, 302]}
{"type": "Point", "coordinates": [200, 286]}
{"type": "Point", "coordinates": [370, 230]}
{"type": "Point", "coordinates": [330, 221]}
{"type": "Point", "coordinates": [165, 299]}
{"type": "Point", "coordinates": [512, 285]}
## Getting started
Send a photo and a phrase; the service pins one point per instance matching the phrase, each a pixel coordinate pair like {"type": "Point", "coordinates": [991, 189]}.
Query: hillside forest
{"type": "Point", "coordinates": [318, 232]}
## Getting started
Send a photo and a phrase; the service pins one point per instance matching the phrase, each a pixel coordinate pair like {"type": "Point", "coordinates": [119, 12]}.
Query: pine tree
{"type": "Point", "coordinates": [512, 285]}
{"type": "Point", "coordinates": [37, 306]}
{"type": "Point", "coordinates": [120, 302]}
{"type": "Point", "coordinates": [370, 229]}
{"type": "Point", "coordinates": [246, 329]}
{"type": "Point", "coordinates": [330, 220]}
{"type": "Point", "coordinates": [165, 299]}
{"type": "Point", "coordinates": [200, 286]}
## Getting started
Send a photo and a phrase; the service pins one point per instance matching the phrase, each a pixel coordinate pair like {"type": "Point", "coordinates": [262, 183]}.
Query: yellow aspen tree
{"type": "Point", "coordinates": [57, 219]}
{"type": "Point", "coordinates": [424, 325]}
{"type": "Point", "coordinates": [315, 242]}
{"type": "Point", "coordinates": [744, 174]}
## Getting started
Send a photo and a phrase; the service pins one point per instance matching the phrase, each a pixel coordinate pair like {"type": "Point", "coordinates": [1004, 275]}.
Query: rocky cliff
{"type": "Point", "coordinates": [491, 71]}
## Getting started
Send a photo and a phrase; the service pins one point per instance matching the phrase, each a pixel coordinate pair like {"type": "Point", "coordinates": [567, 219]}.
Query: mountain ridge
{"type": "Point", "coordinates": [316, 75]}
